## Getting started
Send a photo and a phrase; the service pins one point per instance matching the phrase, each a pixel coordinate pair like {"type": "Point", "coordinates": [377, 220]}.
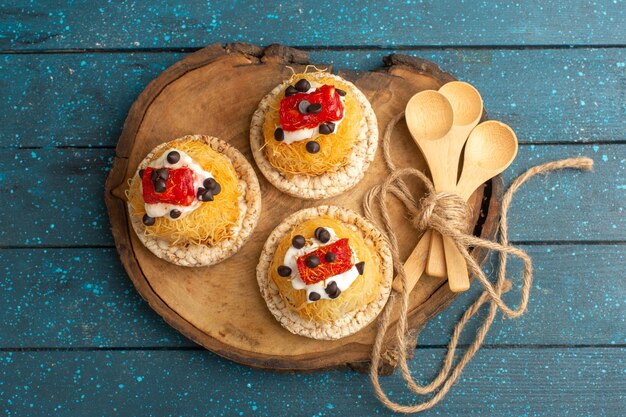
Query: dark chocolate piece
{"type": "Point", "coordinates": [340, 92]}
{"type": "Point", "coordinates": [147, 220]}
{"type": "Point", "coordinates": [359, 267]}
{"type": "Point", "coordinates": [290, 91]}
{"type": "Point", "coordinates": [312, 261]}
{"type": "Point", "coordinates": [314, 108]}
{"type": "Point", "coordinates": [303, 107]}
{"type": "Point", "coordinates": [332, 290]}
{"type": "Point", "coordinates": [207, 195]}
{"type": "Point", "coordinates": [322, 234]}
{"type": "Point", "coordinates": [159, 185]}
{"type": "Point", "coordinates": [330, 257]}
{"type": "Point", "coordinates": [163, 173]}
{"type": "Point", "coordinates": [217, 189]}
{"type": "Point", "coordinates": [174, 214]}
{"type": "Point", "coordinates": [154, 175]}
{"type": "Point", "coordinates": [209, 183]}
{"type": "Point", "coordinates": [279, 135]}
{"type": "Point", "coordinates": [313, 296]}
{"type": "Point", "coordinates": [284, 271]}
{"type": "Point", "coordinates": [303, 86]}
{"type": "Point", "coordinates": [324, 129]}
{"type": "Point", "coordinates": [141, 172]}
{"type": "Point", "coordinates": [298, 241]}
{"type": "Point", "coordinates": [173, 157]}
{"type": "Point", "coordinates": [312, 147]}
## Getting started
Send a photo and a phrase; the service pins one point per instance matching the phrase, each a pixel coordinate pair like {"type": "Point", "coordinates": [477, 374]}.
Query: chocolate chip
{"type": "Point", "coordinates": [284, 271]}
{"type": "Point", "coordinates": [324, 129]}
{"type": "Point", "coordinates": [217, 189]}
{"type": "Point", "coordinates": [312, 261]}
{"type": "Point", "coordinates": [331, 287]}
{"type": "Point", "coordinates": [322, 234]}
{"type": "Point", "coordinates": [279, 135]}
{"type": "Point", "coordinates": [303, 86]}
{"type": "Point", "coordinates": [206, 195]}
{"type": "Point", "coordinates": [340, 92]}
{"type": "Point", "coordinates": [330, 257]}
{"type": "Point", "coordinates": [303, 107]}
{"type": "Point", "coordinates": [141, 172]}
{"type": "Point", "coordinates": [147, 220]}
{"type": "Point", "coordinates": [298, 241]}
{"type": "Point", "coordinates": [174, 214]}
{"type": "Point", "coordinates": [154, 175]}
{"type": "Point", "coordinates": [359, 267]}
{"type": "Point", "coordinates": [312, 147]}
{"type": "Point", "coordinates": [173, 157]}
{"type": "Point", "coordinates": [313, 296]}
{"type": "Point", "coordinates": [159, 186]}
{"type": "Point", "coordinates": [201, 191]}
{"type": "Point", "coordinates": [209, 183]}
{"type": "Point", "coordinates": [314, 108]}
{"type": "Point", "coordinates": [163, 173]}
{"type": "Point", "coordinates": [332, 290]}
{"type": "Point", "coordinates": [290, 91]}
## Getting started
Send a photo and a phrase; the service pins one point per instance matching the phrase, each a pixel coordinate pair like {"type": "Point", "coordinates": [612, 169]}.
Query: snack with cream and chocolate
{"type": "Point", "coordinates": [325, 272]}
{"type": "Point", "coordinates": [194, 201]}
{"type": "Point", "coordinates": [314, 135]}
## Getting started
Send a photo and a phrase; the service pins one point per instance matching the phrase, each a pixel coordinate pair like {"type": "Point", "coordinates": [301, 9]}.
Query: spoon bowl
{"type": "Point", "coordinates": [467, 104]}
{"type": "Point", "coordinates": [490, 149]}
{"type": "Point", "coordinates": [429, 116]}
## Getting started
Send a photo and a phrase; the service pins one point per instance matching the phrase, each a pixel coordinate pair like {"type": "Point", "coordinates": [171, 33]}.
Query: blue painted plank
{"type": "Point", "coordinates": [62, 298]}
{"type": "Point", "coordinates": [499, 382]}
{"type": "Point", "coordinates": [43, 25]}
{"type": "Point", "coordinates": [58, 195]}
{"type": "Point", "coordinates": [75, 298]}
{"type": "Point", "coordinates": [570, 95]}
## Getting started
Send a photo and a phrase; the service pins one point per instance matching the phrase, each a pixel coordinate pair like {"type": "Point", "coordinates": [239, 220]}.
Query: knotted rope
{"type": "Point", "coordinates": [449, 215]}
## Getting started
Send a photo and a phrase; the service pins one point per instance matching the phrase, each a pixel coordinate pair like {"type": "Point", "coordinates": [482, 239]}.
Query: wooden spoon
{"type": "Point", "coordinates": [429, 117]}
{"type": "Point", "coordinates": [490, 149]}
{"type": "Point", "coordinates": [467, 107]}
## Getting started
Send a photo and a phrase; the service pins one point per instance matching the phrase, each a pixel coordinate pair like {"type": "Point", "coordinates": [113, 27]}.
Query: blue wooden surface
{"type": "Point", "coordinates": [77, 340]}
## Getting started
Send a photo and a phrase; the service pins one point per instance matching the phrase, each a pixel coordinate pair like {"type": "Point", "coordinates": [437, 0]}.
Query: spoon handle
{"type": "Point", "coordinates": [414, 264]}
{"type": "Point", "coordinates": [436, 264]}
{"type": "Point", "coordinates": [458, 277]}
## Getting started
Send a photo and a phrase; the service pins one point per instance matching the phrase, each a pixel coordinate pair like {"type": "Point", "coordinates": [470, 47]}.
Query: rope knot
{"type": "Point", "coordinates": [443, 210]}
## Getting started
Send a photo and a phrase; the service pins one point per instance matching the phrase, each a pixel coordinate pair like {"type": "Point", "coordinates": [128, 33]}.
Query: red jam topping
{"type": "Point", "coordinates": [325, 269]}
{"type": "Point", "coordinates": [291, 118]}
{"type": "Point", "coordinates": [179, 187]}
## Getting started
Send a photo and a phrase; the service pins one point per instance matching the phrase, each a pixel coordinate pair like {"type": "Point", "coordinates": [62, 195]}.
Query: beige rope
{"type": "Point", "coordinates": [448, 214]}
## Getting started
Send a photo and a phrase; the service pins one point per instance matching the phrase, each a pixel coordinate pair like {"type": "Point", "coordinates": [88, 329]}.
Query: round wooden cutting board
{"type": "Point", "coordinates": [214, 91]}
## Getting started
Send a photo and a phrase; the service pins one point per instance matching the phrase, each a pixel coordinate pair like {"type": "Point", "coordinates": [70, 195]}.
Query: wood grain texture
{"type": "Point", "coordinates": [564, 95]}
{"type": "Point", "coordinates": [204, 303]}
{"type": "Point", "coordinates": [82, 298]}
{"type": "Point", "coordinates": [67, 184]}
{"type": "Point", "coordinates": [43, 24]}
{"type": "Point", "coordinates": [521, 382]}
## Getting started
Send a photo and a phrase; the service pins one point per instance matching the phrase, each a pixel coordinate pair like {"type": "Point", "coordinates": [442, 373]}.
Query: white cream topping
{"type": "Point", "coordinates": [305, 134]}
{"type": "Point", "coordinates": [163, 209]}
{"type": "Point", "coordinates": [343, 280]}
